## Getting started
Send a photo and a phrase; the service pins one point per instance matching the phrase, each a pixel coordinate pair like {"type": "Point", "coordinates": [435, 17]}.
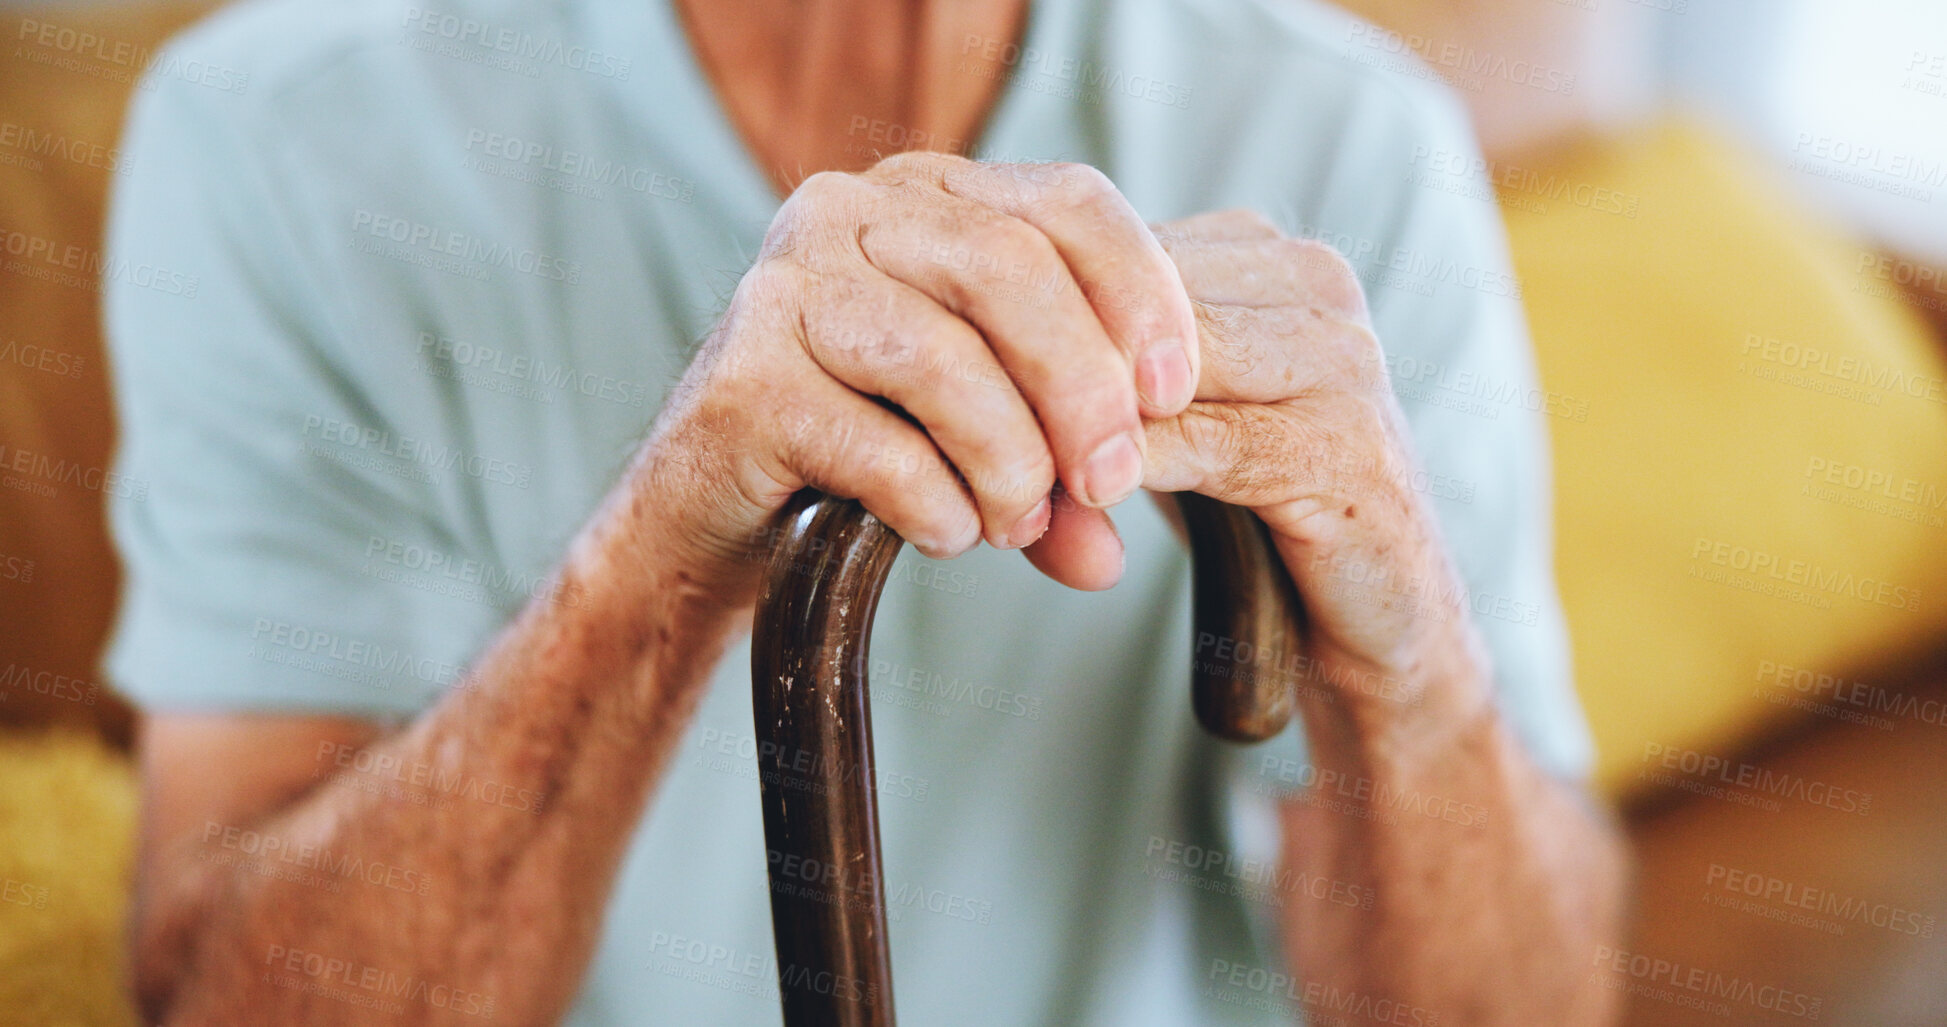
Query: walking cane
{"type": "Point", "coordinates": [814, 726]}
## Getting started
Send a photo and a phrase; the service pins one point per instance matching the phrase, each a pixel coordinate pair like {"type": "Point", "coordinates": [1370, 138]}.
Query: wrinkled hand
{"type": "Point", "coordinates": [950, 341]}
{"type": "Point", "coordinates": [941, 339]}
{"type": "Point", "coordinates": [1295, 420]}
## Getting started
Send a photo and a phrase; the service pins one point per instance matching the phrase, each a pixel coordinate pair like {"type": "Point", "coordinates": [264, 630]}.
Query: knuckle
{"type": "Point", "coordinates": [1328, 276]}
{"type": "Point", "coordinates": [1236, 448]}
{"type": "Point", "coordinates": [1067, 184]}
{"type": "Point", "coordinates": [943, 519]}
{"type": "Point", "coordinates": [1360, 345]}
{"type": "Point", "coordinates": [910, 361]}
{"type": "Point", "coordinates": [1009, 237]}
{"type": "Point", "coordinates": [885, 351]}
{"type": "Point", "coordinates": [773, 280]}
{"type": "Point", "coordinates": [1376, 422]}
{"type": "Point", "coordinates": [822, 453]}
{"type": "Point", "coordinates": [1285, 324]}
{"type": "Point", "coordinates": [1257, 220]}
{"type": "Point", "coordinates": [1227, 331]}
{"type": "Point", "coordinates": [898, 163]}
{"type": "Point", "coordinates": [1184, 234]}
{"type": "Point", "coordinates": [1361, 425]}
{"type": "Point", "coordinates": [813, 216]}
{"type": "Point", "coordinates": [1173, 236]}
{"type": "Point", "coordinates": [1207, 434]}
{"type": "Point", "coordinates": [1082, 180]}
{"type": "Point", "coordinates": [842, 294]}
{"type": "Point", "coordinates": [1347, 296]}
{"type": "Point", "coordinates": [1339, 280]}
{"type": "Point", "coordinates": [1249, 449]}
{"type": "Point", "coordinates": [959, 525]}
{"type": "Point", "coordinates": [1352, 353]}
{"type": "Point", "coordinates": [1311, 253]}
{"type": "Point", "coordinates": [822, 189]}
{"type": "Point", "coordinates": [891, 468]}
{"type": "Point", "coordinates": [786, 238]}
{"type": "Point", "coordinates": [768, 304]}
{"type": "Point", "coordinates": [819, 182]}
{"type": "Point", "coordinates": [1007, 476]}
{"type": "Point", "coordinates": [929, 165]}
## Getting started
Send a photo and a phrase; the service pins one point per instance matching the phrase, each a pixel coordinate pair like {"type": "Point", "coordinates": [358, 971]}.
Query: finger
{"type": "Point", "coordinates": [1003, 275]}
{"type": "Point", "coordinates": [1080, 549]}
{"type": "Point", "coordinates": [1218, 226]}
{"type": "Point", "coordinates": [1267, 354]}
{"type": "Point", "coordinates": [1122, 269]}
{"type": "Point", "coordinates": [1245, 454]}
{"type": "Point", "coordinates": [835, 439]}
{"type": "Point", "coordinates": [885, 339]}
{"type": "Point", "coordinates": [1361, 549]}
{"type": "Point", "coordinates": [1269, 273]}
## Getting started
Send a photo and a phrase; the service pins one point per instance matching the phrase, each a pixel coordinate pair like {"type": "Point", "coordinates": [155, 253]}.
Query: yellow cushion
{"type": "Point", "coordinates": [67, 839]}
{"type": "Point", "coordinates": [1757, 492]}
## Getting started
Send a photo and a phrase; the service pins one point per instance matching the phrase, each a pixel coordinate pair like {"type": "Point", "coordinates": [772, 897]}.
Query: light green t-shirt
{"type": "Point", "coordinates": [411, 280]}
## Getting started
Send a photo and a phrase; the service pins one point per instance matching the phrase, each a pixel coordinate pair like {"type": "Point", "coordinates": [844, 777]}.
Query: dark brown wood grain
{"type": "Point", "coordinates": [814, 726]}
{"type": "Point", "coordinates": [1248, 622]}
{"type": "Point", "coordinates": [814, 733]}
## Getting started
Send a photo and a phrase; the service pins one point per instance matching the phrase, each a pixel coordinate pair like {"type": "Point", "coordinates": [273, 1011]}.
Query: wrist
{"type": "Point", "coordinates": [654, 606]}
{"type": "Point", "coordinates": [640, 571]}
{"type": "Point", "coordinates": [1373, 712]}
{"type": "Point", "coordinates": [677, 531]}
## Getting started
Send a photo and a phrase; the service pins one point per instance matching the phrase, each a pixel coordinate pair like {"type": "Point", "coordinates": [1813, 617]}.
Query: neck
{"type": "Point", "coordinates": [818, 85]}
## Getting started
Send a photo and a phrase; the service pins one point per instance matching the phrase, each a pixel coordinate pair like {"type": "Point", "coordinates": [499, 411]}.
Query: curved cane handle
{"type": "Point", "coordinates": [814, 725]}
{"type": "Point", "coordinates": [1245, 610]}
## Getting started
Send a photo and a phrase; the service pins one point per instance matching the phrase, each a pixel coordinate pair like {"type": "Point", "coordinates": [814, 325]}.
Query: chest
{"type": "Point", "coordinates": [813, 87]}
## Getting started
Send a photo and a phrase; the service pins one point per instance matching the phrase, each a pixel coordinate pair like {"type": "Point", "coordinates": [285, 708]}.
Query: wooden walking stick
{"type": "Point", "coordinates": [814, 726]}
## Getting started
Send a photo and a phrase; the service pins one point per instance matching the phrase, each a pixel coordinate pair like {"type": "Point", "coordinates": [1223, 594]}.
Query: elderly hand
{"type": "Point", "coordinates": [1294, 419]}
{"type": "Point", "coordinates": [1032, 332]}
{"type": "Point", "coordinates": [965, 295]}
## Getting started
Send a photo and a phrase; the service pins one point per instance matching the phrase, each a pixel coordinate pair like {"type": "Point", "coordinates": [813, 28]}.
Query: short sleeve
{"type": "Point", "coordinates": [255, 504]}
{"type": "Point", "coordinates": [1446, 305]}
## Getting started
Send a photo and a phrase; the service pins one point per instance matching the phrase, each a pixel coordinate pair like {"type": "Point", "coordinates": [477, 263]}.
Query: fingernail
{"type": "Point", "coordinates": [1112, 471]}
{"type": "Point", "coordinates": [1163, 374]}
{"type": "Point", "coordinates": [1029, 527]}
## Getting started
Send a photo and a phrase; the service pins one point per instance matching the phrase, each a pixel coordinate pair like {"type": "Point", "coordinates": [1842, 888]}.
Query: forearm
{"type": "Point", "coordinates": [1492, 883]}
{"type": "Point", "coordinates": [1478, 888]}
{"type": "Point", "coordinates": [500, 816]}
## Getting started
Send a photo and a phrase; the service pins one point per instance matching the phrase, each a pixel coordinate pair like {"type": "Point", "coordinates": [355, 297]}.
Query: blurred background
{"type": "Point", "coordinates": [1730, 222]}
